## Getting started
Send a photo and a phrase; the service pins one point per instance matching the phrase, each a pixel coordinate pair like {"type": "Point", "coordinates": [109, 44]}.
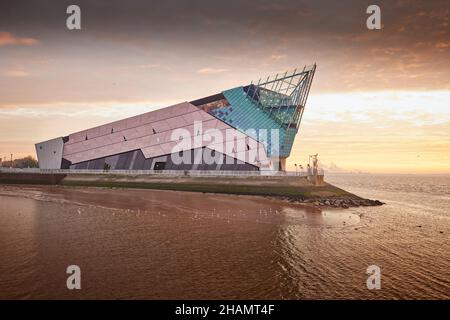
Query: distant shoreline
{"type": "Point", "coordinates": [287, 188]}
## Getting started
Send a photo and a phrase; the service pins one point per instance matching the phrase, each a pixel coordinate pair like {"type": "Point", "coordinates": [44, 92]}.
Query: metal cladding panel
{"type": "Point", "coordinates": [176, 122]}
{"type": "Point", "coordinates": [167, 147]}
{"type": "Point", "coordinates": [190, 117]}
{"type": "Point", "coordinates": [160, 125]}
{"type": "Point", "coordinates": [209, 124]}
{"type": "Point", "coordinates": [152, 151]}
{"type": "Point", "coordinates": [118, 135]}
{"type": "Point", "coordinates": [154, 133]}
{"type": "Point", "coordinates": [50, 153]}
{"type": "Point", "coordinates": [132, 122]}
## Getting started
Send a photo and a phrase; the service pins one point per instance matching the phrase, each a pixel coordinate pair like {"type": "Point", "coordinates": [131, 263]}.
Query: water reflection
{"type": "Point", "coordinates": [171, 245]}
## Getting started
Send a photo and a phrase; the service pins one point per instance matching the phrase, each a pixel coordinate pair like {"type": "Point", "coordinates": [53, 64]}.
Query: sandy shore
{"type": "Point", "coordinates": [253, 208]}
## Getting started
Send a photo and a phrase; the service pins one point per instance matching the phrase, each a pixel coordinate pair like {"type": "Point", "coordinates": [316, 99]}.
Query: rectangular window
{"type": "Point", "coordinates": [159, 166]}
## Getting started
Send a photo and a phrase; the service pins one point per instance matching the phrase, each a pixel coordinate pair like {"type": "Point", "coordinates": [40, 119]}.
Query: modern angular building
{"type": "Point", "coordinates": [249, 128]}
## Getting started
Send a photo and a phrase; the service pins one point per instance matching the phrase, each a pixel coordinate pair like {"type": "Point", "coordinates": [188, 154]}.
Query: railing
{"type": "Point", "coordinates": [174, 173]}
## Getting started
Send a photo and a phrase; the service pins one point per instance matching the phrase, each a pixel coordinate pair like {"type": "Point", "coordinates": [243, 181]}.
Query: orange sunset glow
{"type": "Point", "coordinates": [379, 101]}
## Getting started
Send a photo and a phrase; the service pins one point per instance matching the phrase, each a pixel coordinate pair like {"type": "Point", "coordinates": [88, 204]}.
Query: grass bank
{"type": "Point", "coordinates": [307, 192]}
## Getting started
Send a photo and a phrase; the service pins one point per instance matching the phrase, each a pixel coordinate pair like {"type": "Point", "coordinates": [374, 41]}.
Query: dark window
{"type": "Point", "coordinates": [40, 148]}
{"type": "Point", "coordinates": [86, 137]}
{"type": "Point", "coordinates": [159, 166]}
{"type": "Point", "coordinates": [124, 139]}
{"type": "Point", "coordinates": [180, 153]}
{"type": "Point", "coordinates": [154, 132]}
{"type": "Point", "coordinates": [248, 148]}
{"type": "Point", "coordinates": [213, 153]}
{"type": "Point", "coordinates": [112, 130]}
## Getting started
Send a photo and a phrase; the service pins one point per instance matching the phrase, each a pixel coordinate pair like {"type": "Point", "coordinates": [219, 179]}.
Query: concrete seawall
{"type": "Point", "coordinates": [240, 184]}
{"type": "Point", "coordinates": [251, 185]}
{"type": "Point", "coordinates": [30, 178]}
{"type": "Point", "coordinates": [290, 188]}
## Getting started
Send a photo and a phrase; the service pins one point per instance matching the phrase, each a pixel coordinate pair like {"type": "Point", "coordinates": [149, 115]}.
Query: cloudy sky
{"type": "Point", "coordinates": [379, 101]}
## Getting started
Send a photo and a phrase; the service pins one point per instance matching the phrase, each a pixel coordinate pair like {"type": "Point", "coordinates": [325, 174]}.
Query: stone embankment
{"type": "Point", "coordinates": [340, 202]}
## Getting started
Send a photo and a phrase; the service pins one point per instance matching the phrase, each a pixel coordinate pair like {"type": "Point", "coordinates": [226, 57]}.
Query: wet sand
{"type": "Point", "coordinates": [150, 244]}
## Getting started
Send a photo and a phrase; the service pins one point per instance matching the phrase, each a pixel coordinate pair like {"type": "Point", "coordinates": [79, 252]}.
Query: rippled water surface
{"type": "Point", "coordinates": [133, 244]}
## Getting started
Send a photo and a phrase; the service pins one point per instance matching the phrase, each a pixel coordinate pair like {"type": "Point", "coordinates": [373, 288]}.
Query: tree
{"type": "Point", "coordinates": [26, 162]}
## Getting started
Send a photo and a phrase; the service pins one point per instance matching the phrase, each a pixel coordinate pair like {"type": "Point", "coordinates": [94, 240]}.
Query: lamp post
{"type": "Point", "coordinates": [296, 172]}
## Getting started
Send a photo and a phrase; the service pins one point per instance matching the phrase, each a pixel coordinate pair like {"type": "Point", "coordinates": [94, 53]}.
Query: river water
{"type": "Point", "coordinates": [148, 244]}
